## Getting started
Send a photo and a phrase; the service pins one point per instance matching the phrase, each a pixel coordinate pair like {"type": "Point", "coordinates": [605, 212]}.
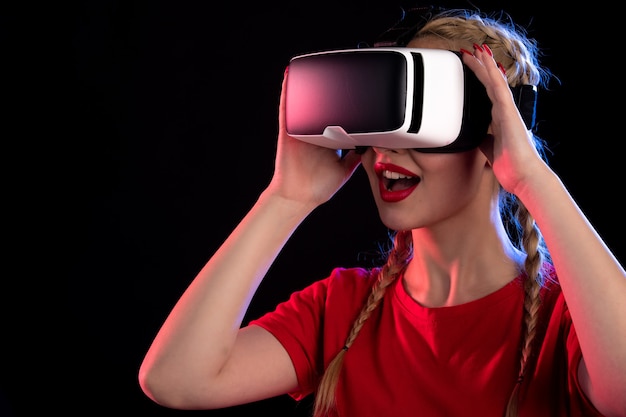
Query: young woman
{"type": "Point", "coordinates": [470, 314]}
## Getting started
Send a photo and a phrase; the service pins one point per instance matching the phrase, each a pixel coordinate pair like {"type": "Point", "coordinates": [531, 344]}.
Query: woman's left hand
{"type": "Point", "coordinates": [509, 145]}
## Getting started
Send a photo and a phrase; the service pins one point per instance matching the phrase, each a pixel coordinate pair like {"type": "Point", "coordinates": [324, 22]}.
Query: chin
{"type": "Point", "coordinates": [398, 222]}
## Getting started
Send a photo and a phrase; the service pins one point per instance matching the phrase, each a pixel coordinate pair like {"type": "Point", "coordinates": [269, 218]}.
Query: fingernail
{"type": "Point", "coordinates": [465, 51]}
{"type": "Point", "coordinates": [487, 49]}
{"type": "Point", "coordinates": [477, 46]}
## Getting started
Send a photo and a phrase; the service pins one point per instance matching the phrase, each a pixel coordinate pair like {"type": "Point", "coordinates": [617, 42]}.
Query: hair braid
{"type": "Point", "coordinates": [399, 256]}
{"type": "Point", "coordinates": [533, 265]}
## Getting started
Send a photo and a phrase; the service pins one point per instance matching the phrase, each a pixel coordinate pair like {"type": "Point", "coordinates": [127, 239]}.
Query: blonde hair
{"type": "Point", "coordinates": [519, 56]}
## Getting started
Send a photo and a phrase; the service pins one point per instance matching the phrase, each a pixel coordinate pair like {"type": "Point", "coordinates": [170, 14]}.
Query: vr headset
{"type": "Point", "coordinates": [394, 97]}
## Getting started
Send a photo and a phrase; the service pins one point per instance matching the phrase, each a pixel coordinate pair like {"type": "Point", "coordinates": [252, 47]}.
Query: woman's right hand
{"type": "Point", "coordinates": [307, 173]}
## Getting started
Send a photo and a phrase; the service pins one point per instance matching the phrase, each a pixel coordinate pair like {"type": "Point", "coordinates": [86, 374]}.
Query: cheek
{"type": "Point", "coordinates": [455, 177]}
{"type": "Point", "coordinates": [450, 166]}
{"type": "Point", "coordinates": [463, 175]}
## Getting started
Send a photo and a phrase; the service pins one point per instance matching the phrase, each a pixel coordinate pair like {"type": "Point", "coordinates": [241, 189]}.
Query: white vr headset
{"type": "Point", "coordinates": [394, 97]}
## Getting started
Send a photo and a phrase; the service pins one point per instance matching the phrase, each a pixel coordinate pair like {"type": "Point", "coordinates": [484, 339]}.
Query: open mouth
{"type": "Point", "coordinates": [394, 181]}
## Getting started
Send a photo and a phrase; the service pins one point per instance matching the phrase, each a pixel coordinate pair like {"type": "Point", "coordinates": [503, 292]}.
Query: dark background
{"type": "Point", "coordinates": [138, 133]}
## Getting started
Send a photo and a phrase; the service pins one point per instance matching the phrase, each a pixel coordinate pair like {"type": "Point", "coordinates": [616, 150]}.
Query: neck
{"type": "Point", "coordinates": [455, 268]}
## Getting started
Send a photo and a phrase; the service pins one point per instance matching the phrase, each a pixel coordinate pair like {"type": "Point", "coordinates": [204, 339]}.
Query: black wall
{"type": "Point", "coordinates": [138, 135]}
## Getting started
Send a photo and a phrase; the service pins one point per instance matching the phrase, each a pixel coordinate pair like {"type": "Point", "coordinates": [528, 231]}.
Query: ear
{"type": "Point", "coordinates": [486, 147]}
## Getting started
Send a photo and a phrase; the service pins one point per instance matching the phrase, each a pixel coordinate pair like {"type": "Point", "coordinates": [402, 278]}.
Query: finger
{"type": "Point", "coordinates": [483, 64]}
{"type": "Point", "coordinates": [281, 106]}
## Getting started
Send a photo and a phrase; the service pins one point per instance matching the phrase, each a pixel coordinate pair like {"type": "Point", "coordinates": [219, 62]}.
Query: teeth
{"type": "Point", "coordinates": [394, 175]}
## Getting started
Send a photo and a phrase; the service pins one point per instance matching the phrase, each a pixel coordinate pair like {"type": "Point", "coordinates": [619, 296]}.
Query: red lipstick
{"type": "Point", "coordinates": [393, 196]}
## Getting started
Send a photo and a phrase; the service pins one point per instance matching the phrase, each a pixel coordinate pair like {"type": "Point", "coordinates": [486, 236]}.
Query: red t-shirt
{"type": "Point", "coordinates": [411, 360]}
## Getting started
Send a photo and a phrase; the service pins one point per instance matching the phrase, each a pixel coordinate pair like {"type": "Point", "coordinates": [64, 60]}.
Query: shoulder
{"type": "Point", "coordinates": [341, 287]}
{"type": "Point", "coordinates": [347, 290]}
{"type": "Point", "coordinates": [351, 279]}
{"type": "Point", "coordinates": [343, 283]}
